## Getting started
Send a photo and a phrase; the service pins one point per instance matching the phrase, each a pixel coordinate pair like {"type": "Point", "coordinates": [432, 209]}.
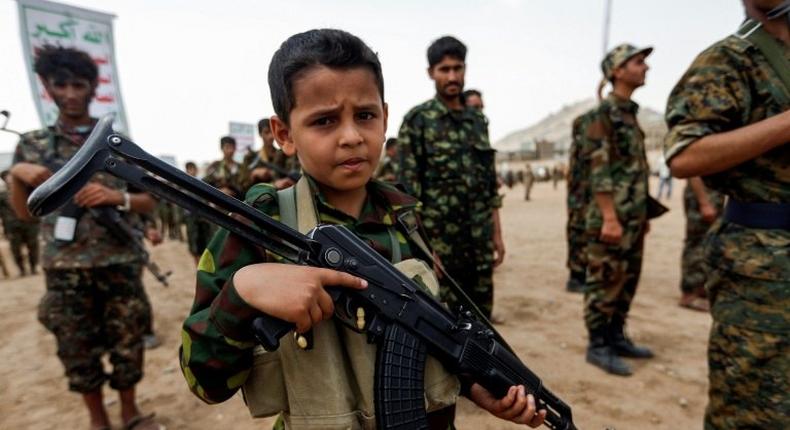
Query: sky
{"type": "Point", "coordinates": [188, 67]}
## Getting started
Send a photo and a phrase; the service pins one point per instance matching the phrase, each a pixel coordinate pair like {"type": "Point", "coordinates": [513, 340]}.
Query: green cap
{"type": "Point", "coordinates": [619, 55]}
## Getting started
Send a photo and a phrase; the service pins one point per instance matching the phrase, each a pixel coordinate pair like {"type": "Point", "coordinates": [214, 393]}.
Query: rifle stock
{"type": "Point", "coordinates": [405, 321]}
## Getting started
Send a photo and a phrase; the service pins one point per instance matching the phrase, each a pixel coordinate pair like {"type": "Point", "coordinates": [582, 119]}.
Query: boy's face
{"type": "Point", "coordinates": [448, 75]}
{"type": "Point", "coordinates": [192, 170]}
{"type": "Point", "coordinates": [227, 150]}
{"type": "Point", "coordinates": [337, 126]}
{"type": "Point", "coordinates": [475, 101]}
{"type": "Point", "coordinates": [266, 136]}
{"type": "Point", "coordinates": [72, 96]}
{"type": "Point", "coordinates": [633, 71]}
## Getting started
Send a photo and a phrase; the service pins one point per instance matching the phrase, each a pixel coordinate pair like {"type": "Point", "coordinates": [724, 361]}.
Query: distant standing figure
{"type": "Point", "coordinates": [474, 99]}
{"type": "Point", "coordinates": [529, 180]}
{"type": "Point", "coordinates": [22, 235]}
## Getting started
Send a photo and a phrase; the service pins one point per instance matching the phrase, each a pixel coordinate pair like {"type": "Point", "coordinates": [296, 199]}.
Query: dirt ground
{"type": "Point", "coordinates": [543, 324]}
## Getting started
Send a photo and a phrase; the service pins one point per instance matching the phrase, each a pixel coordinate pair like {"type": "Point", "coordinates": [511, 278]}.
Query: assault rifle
{"type": "Point", "coordinates": [403, 320]}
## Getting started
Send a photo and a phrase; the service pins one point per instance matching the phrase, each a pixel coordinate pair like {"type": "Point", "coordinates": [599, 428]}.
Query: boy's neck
{"type": "Point", "coordinates": [623, 91]}
{"type": "Point", "coordinates": [349, 202]}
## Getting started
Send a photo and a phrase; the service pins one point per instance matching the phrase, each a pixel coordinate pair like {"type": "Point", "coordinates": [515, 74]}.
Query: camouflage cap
{"type": "Point", "coordinates": [619, 55]}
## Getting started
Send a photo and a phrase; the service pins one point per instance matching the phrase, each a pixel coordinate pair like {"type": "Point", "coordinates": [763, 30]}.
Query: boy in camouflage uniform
{"type": "Point", "coordinates": [616, 218]}
{"type": "Point", "coordinates": [20, 234]}
{"type": "Point", "coordinates": [226, 174]}
{"type": "Point", "coordinates": [446, 161]}
{"type": "Point", "coordinates": [339, 149]}
{"type": "Point", "coordinates": [729, 122]}
{"type": "Point", "coordinates": [703, 207]}
{"type": "Point", "coordinates": [94, 301]}
{"type": "Point", "coordinates": [254, 170]}
{"type": "Point", "coordinates": [386, 170]}
{"type": "Point", "coordinates": [199, 231]}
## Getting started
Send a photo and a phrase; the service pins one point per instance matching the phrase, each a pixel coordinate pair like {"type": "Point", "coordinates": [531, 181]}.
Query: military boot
{"type": "Point", "coordinates": [622, 345]}
{"type": "Point", "coordinates": [600, 354]}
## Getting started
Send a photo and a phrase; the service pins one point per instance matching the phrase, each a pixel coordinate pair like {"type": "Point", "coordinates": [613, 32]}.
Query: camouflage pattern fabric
{"type": "Point", "coordinates": [216, 350]}
{"type": "Point", "coordinates": [617, 166]}
{"type": "Point", "coordinates": [386, 170]}
{"type": "Point", "coordinates": [728, 86]}
{"type": "Point", "coordinates": [92, 312]}
{"type": "Point", "coordinates": [222, 174]}
{"type": "Point", "coordinates": [277, 157]}
{"type": "Point", "coordinates": [618, 56]}
{"type": "Point", "coordinates": [20, 234]}
{"type": "Point", "coordinates": [92, 246]}
{"type": "Point", "coordinates": [446, 161]}
{"type": "Point", "coordinates": [199, 233]}
{"type": "Point", "coordinates": [578, 188]}
{"type": "Point", "coordinates": [749, 373]}
{"type": "Point", "coordinates": [693, 268]}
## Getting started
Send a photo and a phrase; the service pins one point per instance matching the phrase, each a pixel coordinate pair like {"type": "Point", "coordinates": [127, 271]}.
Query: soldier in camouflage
{"type": "Point", "coordinates": [22, 235]}
{"type": "Point", "coordinates": [616, 218]}
{"type": "Point", "coordinates": [446, 161]}
{"type": "Point", "coordinates": [94, 302]}
{"type": "Point", "coordinates": [386, 169]}
{"type": "Point", "coordinates": [199, 231]}
{"type": "Point", "coordinates": [226, 174]}
{"type": "Point", "coordinates": [255, 169]}
{"type": "Point", "coordinates": [703, 207]}
{"type": "Point", "coordinates": [729, 122]}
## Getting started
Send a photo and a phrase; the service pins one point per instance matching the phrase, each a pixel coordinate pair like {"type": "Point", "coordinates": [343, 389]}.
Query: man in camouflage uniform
{"type": "Point", "coordinates": [447, 162]}
{"type": "Point", "coordinates": [199, 231]}
{"type": "Point", "coordinates": [255, 166]}
{"type": "Point", "coordinates": [20, 234]}
{"type": "Point", "coordinates": [578, 198]}
{"type": "Point", "coordinates": [703, 207]}
{"type": "Point", "coordinates": [616, 218]}
{"type": "Point", "coordinates": [386, 170]}
{"type": "Point", "coordinates": [226, 174]}
{"type": "Point", "coordinates": [93, 303]}
{"type": "Point", "coordinates": [729, 122]}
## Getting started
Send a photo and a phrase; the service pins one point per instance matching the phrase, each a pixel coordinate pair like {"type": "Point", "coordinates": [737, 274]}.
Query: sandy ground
{"type": "Point", "coordinates": [544, 325]}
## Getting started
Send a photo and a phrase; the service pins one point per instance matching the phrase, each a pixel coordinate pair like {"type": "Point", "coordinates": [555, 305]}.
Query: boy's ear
{"type": "Point", "coordinates": [282, 134]}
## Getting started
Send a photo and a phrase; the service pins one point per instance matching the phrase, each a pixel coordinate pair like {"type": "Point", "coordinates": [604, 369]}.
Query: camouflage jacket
{"type": "Point", "coordinates": [579, 169]}
{"type": "Point", "coordinates": [386, 170]}
{"type": "Point", "coordinates": [278, 158]}
{"type": "Point", "coordinates": [617, 162]}
{"type": "Point", "coordinates": [216, 352]}
{"type": "Point", "coordinates": [446, 161]}
{"type": "Point", "coordinates": [92, 246]}
{"type": "Point", "coordinates": [220, 174]}
{"type": "Point", "coordinates": [728, 86]}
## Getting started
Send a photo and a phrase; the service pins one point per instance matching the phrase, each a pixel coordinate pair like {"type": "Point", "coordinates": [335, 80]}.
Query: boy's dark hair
{"type": "Point", "coordinates": [61, 64]}
{"type": "Point", "coordinates": [472, 92]}
{"type": "Point", "coordinates": [335, 49]}
{"type": "Point", "coordinates": [444, 47]}
{"type": "Point", "coordinates": [226, 139]}
{"type": "Point", "coordinates": [264, 123]}
{"type": "Point", "coordinates": [190, 164]}
{"type": "Point", "coordinates": [390, 143]}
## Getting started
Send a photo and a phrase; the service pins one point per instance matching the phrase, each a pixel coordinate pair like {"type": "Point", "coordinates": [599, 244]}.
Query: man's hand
{"type": "Point", "coordinates": [292, 293]}
{"type": "Point", "coordinates": [30, 174]}
{"type": "Point", "coordinates": [153, 235]}
{"type": "Point", "coordinates": [499, 250]}
{"type": "Point", "coordinates": [611, 231]}
{"type": "Point", "coordinates": [708, 212]}
{"type": "Point", "coordinates": [95, 194]}
{"type": "Point", "coordinates": [515, 406]}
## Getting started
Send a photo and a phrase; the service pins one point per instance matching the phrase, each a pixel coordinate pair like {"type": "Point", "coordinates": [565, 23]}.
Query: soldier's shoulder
{"type": "Point", "coordinates": [732, 50]}
{"type": "Point", "coordinates": [424, 109]}
{"type": "Point", "coordinates": [36, 138]}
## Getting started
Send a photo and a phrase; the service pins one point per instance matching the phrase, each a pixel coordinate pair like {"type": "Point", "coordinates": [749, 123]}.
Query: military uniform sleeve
{"type": "Point", "coordinates": [600, 147]}
{"type": "Point", "coordinates": [216, 349]}
{"type": "Point", "coordinates": [711, 97]}
{"type": "Point", "coordinates": [407, 169]}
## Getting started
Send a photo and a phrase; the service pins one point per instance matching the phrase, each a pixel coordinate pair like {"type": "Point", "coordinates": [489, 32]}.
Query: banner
{"type": "Point", "coordinates": [244, 134]}
{"type": "Point", "coordinates": [47, 23]}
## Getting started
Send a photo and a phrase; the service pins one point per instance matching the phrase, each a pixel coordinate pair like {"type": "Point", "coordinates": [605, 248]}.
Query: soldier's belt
{"type": "Point", "coordinates": [758, 215]}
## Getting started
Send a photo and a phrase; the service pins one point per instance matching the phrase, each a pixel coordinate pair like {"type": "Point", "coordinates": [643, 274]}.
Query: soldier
{"type": "Point", "coordinates": [616, 219]}
{"type": "Point", "coordinates": [386, 170]}
{"type": "Point", "coordinates": [93, 304]}
{"type": "Point", "coordinates": [199, 231]}
{"type": "Point", "coordinates": [729, 122]}
{"type": "Point", "coordinates": [225, 174]}
{"type": "Point", "coordinates": [22, 235]}
{"type": "Point", "coordinates": [447, 162]}
{"type": "Point", "coordinates": [474, 99]}
{"type": "Point", "coordinates": [703, 207]}
{"type": "Point", "coordinates": [259, 164]}
{"type": "Point", "coordinates": [529, 181]}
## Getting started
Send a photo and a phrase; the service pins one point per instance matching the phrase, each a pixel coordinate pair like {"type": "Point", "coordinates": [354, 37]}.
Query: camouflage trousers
{"type": "Point", "coordinates": [576, 236]}
{"type": "Point", "coordinates": [477, 284]}
{"type": "Point", "coordinates": [92, 312]}
{"type": "Point", "coordinates": [612, 276]}
{"type": "Point", "coordinates": [24, 236]}
{"type": "Point", "coordinates": [693, 267]}
{"type": "Point", "coordinates": [749, 379]}
{"type": "Point", "coordinates": [199, 233]}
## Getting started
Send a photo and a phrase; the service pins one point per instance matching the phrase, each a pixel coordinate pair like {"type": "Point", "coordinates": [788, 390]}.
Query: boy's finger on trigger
{"type": "Point", "coordinates": [341, 279]}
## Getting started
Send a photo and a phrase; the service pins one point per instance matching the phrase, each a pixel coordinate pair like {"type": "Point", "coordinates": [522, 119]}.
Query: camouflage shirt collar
{"type": "Point", "coordinates": [438, 105]}
{"type": "Point", "coordinates": [626, 105]}
{"type": "Point", "coordinates": [383, 204]}
{"type": "Point", "coordinates": [77, 135]}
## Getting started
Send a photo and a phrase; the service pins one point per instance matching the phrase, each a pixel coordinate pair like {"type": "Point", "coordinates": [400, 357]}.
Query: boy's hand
{"type": "Point", "coordinates": [30, 174]}
{"type": "Point", "coordinates": [292, 293]}
{"type": "Point", "coordinates": [95, 194]}
{"type": "Point", "coordinates": [515, 406]}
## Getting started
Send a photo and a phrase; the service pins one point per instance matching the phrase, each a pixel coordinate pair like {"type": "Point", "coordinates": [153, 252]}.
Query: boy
{"type": "Point", "coordinates": [328, 95]}
{"type": "Point", "coordinates": [225, 174]}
